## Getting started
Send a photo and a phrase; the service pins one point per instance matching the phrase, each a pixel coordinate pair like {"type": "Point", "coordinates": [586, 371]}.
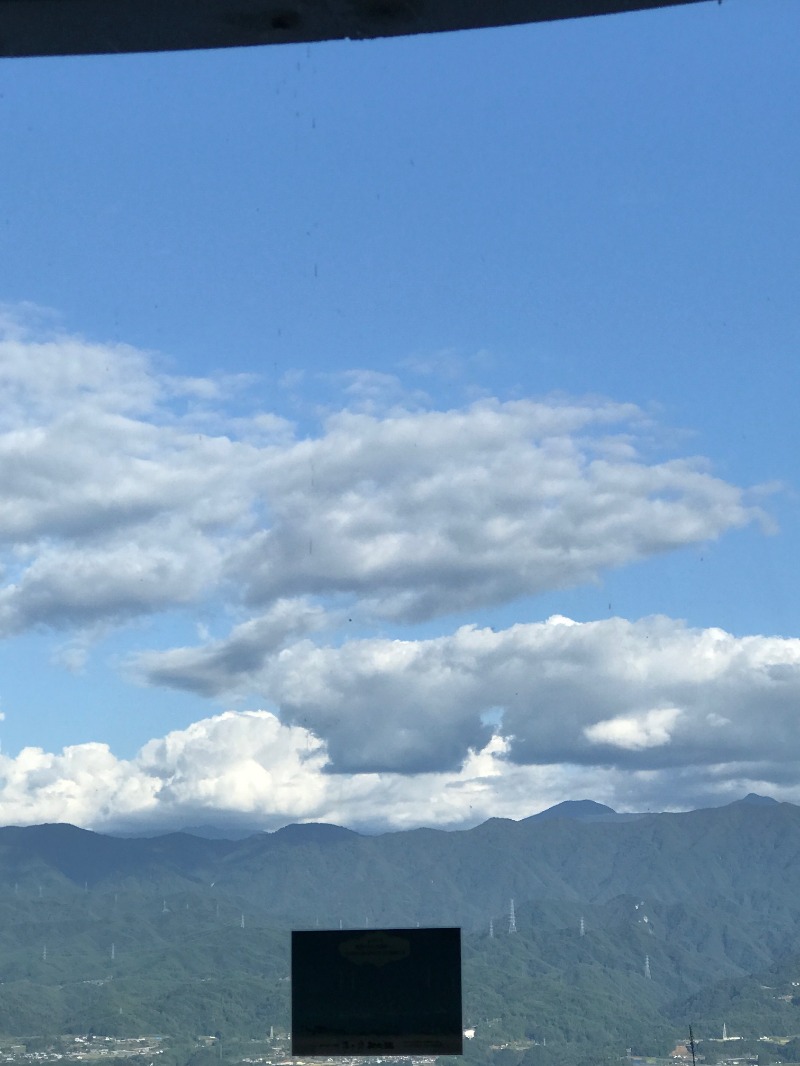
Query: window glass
{"type": "Point", "coordinates": [402, 432]}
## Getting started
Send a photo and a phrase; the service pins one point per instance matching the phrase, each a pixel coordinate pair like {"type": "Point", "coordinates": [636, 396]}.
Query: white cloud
{"type": "Point", "coordinates": [249, 769]}
{"type": "Point", "coordinates": [222, 665]}
{"type": "Point", "coordinates": [635, 731]}
{"type": "Point", "coordinates": [83, 785]}
{"type": "Point", "coordinates": [644, 695]}
{"type": "Point", "coordinates": [244, 767]}
{"type": "Point", "coordinates": [424, 513]}
{"type": "Point", "coordinates": [64, 587]}
{"type": "Point", "coordinates": [127, 491]}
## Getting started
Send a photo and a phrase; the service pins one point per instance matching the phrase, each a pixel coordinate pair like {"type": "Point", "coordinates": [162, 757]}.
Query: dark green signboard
{"type": "Point", "coordinates": [377, 992]}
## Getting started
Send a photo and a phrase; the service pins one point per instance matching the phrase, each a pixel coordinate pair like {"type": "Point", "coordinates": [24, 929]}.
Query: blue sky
{"type": "Point", "coordinates": [331, 373]}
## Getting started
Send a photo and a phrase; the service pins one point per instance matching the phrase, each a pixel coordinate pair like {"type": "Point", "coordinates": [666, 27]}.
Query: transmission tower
{"type": "Point", "coordinates": [512, 918]}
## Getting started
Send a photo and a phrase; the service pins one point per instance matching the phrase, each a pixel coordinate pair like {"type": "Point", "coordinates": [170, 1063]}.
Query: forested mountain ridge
{"type": "Point", "coordinates": [306, 874]}
{"type": "Point", "coordinates": [187, 934]}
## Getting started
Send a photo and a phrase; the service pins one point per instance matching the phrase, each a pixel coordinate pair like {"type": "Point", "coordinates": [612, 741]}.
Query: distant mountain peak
{"type": "Point", "coordinates": [312, 833]}
{"type": "Point", "coordinates": [578, 810]}
{"type": "Point", "coordinates": [752, 799]}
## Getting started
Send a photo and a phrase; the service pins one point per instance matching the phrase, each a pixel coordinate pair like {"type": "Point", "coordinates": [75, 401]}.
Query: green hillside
{"type": "Point", "coordinates": [183, 936]}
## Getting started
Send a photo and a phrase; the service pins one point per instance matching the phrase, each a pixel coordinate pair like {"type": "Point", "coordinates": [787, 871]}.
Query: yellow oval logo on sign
{"type": "Point", "coordinates": [375, 949]}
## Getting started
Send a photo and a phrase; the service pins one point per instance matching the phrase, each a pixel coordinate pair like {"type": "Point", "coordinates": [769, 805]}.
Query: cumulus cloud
{"type": "Point", "coordinates": [237, 767]}
{"type": "Point", "coordinates": [646, 695]}
{"type": "Point", "coordinates": [424, 513]}
{"type": "Point", "coordinates": [221, 665]}
{"type": "Point", "coordinates": [126, 491]}
{"type": "Point", "coordinates": [248, 769]}
{"type": "Point", "coordinates": [635, 731]}
{"type": "Point", "coordinates": [247, 764]}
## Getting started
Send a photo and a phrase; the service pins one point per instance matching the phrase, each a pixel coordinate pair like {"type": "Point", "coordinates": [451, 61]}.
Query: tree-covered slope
{"type": "Point", "coordinates": [184, 935]}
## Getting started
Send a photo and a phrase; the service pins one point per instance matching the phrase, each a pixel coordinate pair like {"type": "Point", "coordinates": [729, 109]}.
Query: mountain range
{"type": "Point", "coordinates": [628, 927]}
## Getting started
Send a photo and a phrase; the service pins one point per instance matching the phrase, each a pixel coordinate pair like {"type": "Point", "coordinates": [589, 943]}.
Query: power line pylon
{"type": "Point", "coordinates": [512, 918]}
